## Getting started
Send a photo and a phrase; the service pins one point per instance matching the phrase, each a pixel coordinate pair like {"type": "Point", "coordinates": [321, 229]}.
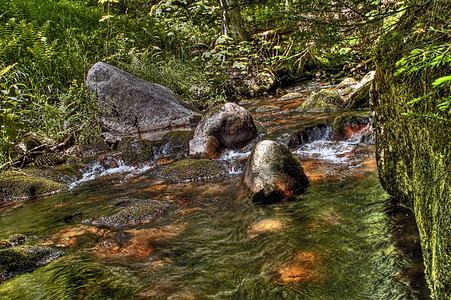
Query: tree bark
{"type": "Point", "coordinates": [232, 22]}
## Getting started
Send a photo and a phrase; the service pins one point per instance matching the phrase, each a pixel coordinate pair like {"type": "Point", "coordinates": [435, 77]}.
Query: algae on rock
{"type": "Point", "coordinates": [414, 154]}
{"type": "Point", "coordinates": [14, 184]}
{"type": "Point", "coordinates": [194, 169]}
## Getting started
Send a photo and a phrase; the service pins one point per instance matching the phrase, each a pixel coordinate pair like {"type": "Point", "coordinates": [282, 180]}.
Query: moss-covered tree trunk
{"type": "Point", "coordinates": [414, 151]}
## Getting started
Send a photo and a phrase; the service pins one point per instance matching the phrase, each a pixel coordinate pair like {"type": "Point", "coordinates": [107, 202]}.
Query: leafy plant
{"type": "Point", "coordinates": [13, 117]}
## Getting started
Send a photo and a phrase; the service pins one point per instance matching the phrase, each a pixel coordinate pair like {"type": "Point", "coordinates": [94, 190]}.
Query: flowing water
{"type": "Point", "coordinates": [345, 238]}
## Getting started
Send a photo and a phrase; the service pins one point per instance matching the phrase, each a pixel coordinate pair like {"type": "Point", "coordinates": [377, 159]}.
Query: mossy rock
{"type": "Point", "coordinates": [5, 244]}
{"type": "Point", "coordinates": [95, 147]}
{"type": "Point", "coordinates": [21, 259]}
{"type": "Point", "coordinates": [194, 169]}
{"type": "Point", "coordinates": [141, 211]}
{"type": "Point", "coordinates": [349, 120]}
{"type": "Point", "coordinates": [360, 99]}
{"type": "Point", "coordinates": [173, 142]}
{"type": "Point", "coordinates": [260, 128]}
{"type": "Point", "coordinates": [17, 239]}
{"type": "Point", "coordinates": [14, 184]}
{"type": "Point", "coordinates": [291, 96]}
{"type": "Point", "coordinates": [136, 151]}
{"type": "Point", "coordinates": [322, 101]}
{"type": "Point", "coordinates": [64, 173]}
{"type": "Point", "coordinates": [347, 82]}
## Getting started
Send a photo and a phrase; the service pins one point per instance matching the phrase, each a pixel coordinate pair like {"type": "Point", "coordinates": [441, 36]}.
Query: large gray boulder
{"type": "Point", "coordinates": [273, 173]}
{"type": "Point", "coordinates": [131, 106]}
{"type": "Point", "coordinates": [230, 124]}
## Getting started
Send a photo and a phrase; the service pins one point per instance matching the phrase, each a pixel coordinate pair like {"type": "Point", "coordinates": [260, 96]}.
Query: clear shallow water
{"type": "Point", "coordinates": [344, 239]}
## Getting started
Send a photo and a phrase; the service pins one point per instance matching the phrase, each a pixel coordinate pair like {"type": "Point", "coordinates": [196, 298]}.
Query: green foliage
{"type": "Point", "coordinates": [13, 116]}
{"type": "Point", "coordinates": [430, 59]}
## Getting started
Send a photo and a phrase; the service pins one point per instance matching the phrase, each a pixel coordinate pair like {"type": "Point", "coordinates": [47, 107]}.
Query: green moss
{"type": "Point", "coordinates": [193, 169]}
{"type": "Point", "coordinates": [322, 101]}
{"type": "Point", "coordinates": [413, 154]}
{"type": "Point", "coordinates": [140, 211]}
{"type": "Point", "coordinates": [17, 239]}
{"type": "Point", "coordinates": [136, 151]}
{"type": "Point", "coordinates": [260, 128]}
{"type": "Point", "coordinates": [16, 260]}
{"type": "Point", "coordinates": [5, 244]}
{"type": "Point", "coordinates": [361, 98]}
{"type": "Point", "coordinates": [14, 184]}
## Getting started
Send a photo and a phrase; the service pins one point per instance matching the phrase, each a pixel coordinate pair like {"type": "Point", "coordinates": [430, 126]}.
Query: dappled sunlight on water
{"type": "Point", "coordinates": [345, 238]}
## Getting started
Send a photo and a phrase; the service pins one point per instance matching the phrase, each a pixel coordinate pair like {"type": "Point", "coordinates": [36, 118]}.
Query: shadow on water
{"type": "Point", "coordinates": [344, 239]}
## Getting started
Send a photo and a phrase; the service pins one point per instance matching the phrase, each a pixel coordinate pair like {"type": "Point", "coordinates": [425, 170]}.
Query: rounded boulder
{"type": "Point", "coordinates": [273, 173]}
{"type": "Point", "coordinates": [231, 124]}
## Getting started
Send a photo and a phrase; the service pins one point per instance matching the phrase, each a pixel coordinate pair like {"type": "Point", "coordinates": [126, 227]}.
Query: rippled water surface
{"type": "Point", "coordinates": [344, 239]}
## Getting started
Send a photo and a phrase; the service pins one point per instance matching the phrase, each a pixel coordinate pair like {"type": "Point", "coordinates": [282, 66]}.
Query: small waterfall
{"type": "Point", "coordinates": [315, 133]}
{"type": "Point", "coordinates": [108, 165]}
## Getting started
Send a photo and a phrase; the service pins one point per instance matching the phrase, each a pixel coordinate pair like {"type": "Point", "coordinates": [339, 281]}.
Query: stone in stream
{"type": "Point", "coordinates": [291, 96]}
{"type": "Point", "coordinates": [322, 101]}
{"type": "Point", "coordinates": [136, 151]}
{"type": "Point", "coordinates": [131, 106]}
{"type": "Point", "coordinates": [273, 173]}
{"type": "Point", "coordinates": [230, 124]}
{"type": "Point", "coordinates": [359, 96]}
{"type": "Point", "coordinates": [14, 185]}
{"type": "Point", "coordinates": [193, 170]}
{"type": "Point", "coordinates": [21, 259]}
{"type": "Point", "coordinates": [347, 123]}
{"type": "Point", "coordinates": [139, 212]}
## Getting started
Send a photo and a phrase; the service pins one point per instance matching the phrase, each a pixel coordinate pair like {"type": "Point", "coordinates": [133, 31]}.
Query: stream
{"type": "Point", "coordinates": [345, 238]}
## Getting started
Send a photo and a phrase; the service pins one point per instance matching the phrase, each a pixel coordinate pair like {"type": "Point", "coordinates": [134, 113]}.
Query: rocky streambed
{"type": "Point", "coordinates": [175, 226]}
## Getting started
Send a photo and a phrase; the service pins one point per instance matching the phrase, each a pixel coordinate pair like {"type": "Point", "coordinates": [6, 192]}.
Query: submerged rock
{"type": "Point", "coordinates": [142, 211]}
{"type": "Point", "coordinates": [322, 101]}
{"type": "Point", "coordinates": [291, 96]}
{"type": "Point", "coordinates": [230, 124]}
{"type": "Point", "coordinates": [21, 259]}
{"type": "Point", "coordinates": [273, 173]}
{"type": "Point", "coordinates": [194, 169]}
{"type": "Point", "coordinates": [304, 267]}
{"type": "Point", "coordinates": [347, 123]}
{"type": "Point", "coordinates": [267, 108]}
{"type": "Point", "coordinates": [135, 107]}
{"type": "Point", "coordinates": [14, 184]}
{"type": "Point", "coordinates": [265, 226]}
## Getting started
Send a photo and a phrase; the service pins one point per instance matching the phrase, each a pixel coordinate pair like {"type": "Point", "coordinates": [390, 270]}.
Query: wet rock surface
{"type": "Point", "coordinates": [14, 185]}
{"type": "Point", "coordinates": [273, 173]}
{"type": "Point", "coordinates": [173, 144]}
{"type": "Point", "coordinates": [136, 151]}
{"type": "Point", "coordinates": [347, 123]}
{"type": "Point", "coordinates": [135, 107]}
{"type": "Point", "coordinates": [230, 124]}
{"type": "Point", "coordinates": [22, 259]}
{"type": "Point", "coordinates": [322, 101]}
{"type": "Point", "coordinates": [194, 170]}
{"type": "Point", "coordinates": [139, 212]}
